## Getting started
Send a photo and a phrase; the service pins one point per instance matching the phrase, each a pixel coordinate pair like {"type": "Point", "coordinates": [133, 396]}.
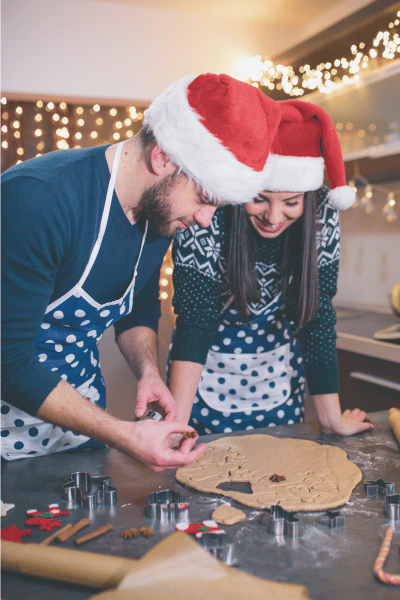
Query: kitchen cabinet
{"type": "Point", "coordinates": [369, 369]}
{"type": "Point", "coordinates": [368, 383]}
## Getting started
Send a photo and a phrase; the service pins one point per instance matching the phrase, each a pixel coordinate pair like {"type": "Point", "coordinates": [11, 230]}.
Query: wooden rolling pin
{"type": "Point", "coordinates": [62, 564]}
{"type": "Point", "coordinates": [394, 422]}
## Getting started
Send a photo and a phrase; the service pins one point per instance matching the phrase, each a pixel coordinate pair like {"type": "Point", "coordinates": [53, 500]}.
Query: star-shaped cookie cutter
{"type": "Point", "coordinates": [379, 488]}
{"type": "Point", "coordinates": [89, 491]}
{"type": "Point", "coordinates": [166, 506]}
{"type": "Point", "coordinates": [332, 519]}
{"type": "Point", "coordinates": [281, 521]}
{"type": "Point", "coordinates": [392, 507]}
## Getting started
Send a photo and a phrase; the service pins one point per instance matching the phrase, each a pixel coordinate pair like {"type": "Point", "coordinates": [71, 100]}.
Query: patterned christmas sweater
{"type": "Point", "coordinates": [201, 291]}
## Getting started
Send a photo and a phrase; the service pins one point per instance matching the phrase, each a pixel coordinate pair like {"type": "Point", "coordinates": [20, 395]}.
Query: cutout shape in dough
{"type": "Point", "coordinates": [318, 476]}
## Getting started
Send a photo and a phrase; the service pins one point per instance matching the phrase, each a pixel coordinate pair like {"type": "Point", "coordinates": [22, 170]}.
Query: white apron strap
{"type": "Point", "coordinates": [106, 212]}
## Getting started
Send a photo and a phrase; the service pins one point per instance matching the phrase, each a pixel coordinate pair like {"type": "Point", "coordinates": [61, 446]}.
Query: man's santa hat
{"type": "Point", "coordinates": [220, 132]}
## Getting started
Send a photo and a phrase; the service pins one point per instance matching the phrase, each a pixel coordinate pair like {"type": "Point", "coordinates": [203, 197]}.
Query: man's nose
{"type": "Point", "coordinates": [203, 215]}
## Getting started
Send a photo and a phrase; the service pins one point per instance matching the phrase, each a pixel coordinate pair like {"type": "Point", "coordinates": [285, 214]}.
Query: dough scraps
{"type": "Point", "coordinates": [318, 477]}
{"type": "Point", "coordinates": [227, 515]}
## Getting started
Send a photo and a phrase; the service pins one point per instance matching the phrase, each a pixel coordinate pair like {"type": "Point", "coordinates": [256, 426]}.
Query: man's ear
{"type": "Point", "coordinates": [160, 162]}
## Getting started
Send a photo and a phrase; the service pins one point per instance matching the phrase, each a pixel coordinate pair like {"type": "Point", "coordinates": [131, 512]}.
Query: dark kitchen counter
{"type": "Point", "coordinates": [333, 563]}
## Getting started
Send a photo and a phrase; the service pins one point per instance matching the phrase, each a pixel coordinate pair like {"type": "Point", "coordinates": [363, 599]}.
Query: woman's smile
{"type": "Point", "coordinates": [270, 228]}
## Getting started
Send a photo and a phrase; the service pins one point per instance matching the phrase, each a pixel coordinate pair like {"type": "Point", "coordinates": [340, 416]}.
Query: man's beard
{"type": "Point", "coordinates": [156, 204]}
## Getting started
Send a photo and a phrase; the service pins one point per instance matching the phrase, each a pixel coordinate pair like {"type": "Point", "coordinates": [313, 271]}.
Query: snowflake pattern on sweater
{"type": "Point", "coordinates": [201, 291]}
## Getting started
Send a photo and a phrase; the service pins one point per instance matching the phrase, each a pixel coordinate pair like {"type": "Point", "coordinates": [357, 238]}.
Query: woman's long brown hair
{"type": "Point", "coordinates": [298, 263]}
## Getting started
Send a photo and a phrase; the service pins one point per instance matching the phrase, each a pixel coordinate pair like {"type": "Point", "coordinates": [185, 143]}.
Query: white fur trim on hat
{"type": "Point", "coordinates": [197, 152]}
{"type": "Point", "coordinates": [342, 197]}
{"type": "Point", "coordinates": [293, 173]}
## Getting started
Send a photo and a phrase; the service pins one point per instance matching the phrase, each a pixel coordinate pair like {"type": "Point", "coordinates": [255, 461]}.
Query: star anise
{"type": "Point", "coordinates": [130, 533]}
{"type": "Point", "coordinates": [146, 531]}
{"type": "Point", "coordinates": [277, 478]}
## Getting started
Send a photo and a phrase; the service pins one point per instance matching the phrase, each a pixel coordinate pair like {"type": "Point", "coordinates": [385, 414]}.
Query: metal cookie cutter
{"type": "Point", "coordinates": [220, 546]}
{"type": "Point", "coordinates": [332, 519]}
{"type": "Point", "coordinates": [152, 414]}
{"type": "Point", "coordinates": [281, 522]}
{"type": "Point", "coordinates": [167, 506]}
{"type": "Point", "coordinates": [379, 488]}
{"type": "Point", "coordinates": [392, 507]}
{"type": "Point", "coordinates": [89, 491]}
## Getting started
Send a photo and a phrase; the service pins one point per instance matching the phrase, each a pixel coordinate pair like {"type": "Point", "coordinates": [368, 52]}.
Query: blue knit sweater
{"type": "Point", "coordinates": [51, 211]}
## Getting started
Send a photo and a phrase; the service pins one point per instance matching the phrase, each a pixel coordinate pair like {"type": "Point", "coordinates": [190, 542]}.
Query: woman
{"type": "Point", "coordinates": [253, 295]}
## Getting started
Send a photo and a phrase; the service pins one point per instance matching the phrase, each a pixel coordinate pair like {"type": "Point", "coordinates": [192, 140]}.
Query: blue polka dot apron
{"type": "Point", "coordinates": [68, 344]}
{"type": "Point", "coordinates": [253, 377]}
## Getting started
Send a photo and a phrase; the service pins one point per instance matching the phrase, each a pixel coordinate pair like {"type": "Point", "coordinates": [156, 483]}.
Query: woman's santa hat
{"type": "Point", "coordinates": [220, 132]}
{"type": "Point", "coordinates": [305, 142]}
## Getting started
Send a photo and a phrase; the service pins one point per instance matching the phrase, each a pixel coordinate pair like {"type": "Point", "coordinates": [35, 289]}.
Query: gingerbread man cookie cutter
{"type": "Point", "coordinates": [89, 491]}
{"type": "Point", "coordinates": [166, 506]}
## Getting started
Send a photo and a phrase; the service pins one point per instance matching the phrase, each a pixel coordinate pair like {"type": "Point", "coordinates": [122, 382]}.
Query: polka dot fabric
{"type": "Point", "coordinates": [207, 420]}
{"type": "Point", "coordinates": [66, 343]}
{"type": "Point", "coordinates": [253, 377]}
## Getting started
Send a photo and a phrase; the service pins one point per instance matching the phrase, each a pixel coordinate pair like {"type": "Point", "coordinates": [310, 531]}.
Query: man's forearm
{"type": "Point", "coordinates": [139, 348]}
{"type": "Point", "coordinates": [146, 441]}
{"type": "Point", "coordinates": [65, 407]}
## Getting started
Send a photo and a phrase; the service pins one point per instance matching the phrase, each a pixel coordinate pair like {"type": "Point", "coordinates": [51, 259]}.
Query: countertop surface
{"type": "Point", "coordinates": [356, 329]}
{"type": "Point", "coordinates": [333, 563]}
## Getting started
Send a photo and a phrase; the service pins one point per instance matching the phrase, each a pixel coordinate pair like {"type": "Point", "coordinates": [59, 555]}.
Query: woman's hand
{"type": "Point", "coordinates": [351, 422]}
{"type": "Point", "coordinates": [332, 420]}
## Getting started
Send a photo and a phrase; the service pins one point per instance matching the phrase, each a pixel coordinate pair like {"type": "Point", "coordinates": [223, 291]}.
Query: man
{"type": "Point", "coordinates": [82, 251]}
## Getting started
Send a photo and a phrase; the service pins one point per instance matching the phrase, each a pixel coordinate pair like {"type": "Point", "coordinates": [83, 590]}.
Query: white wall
{"type": "Point", "coordinates": [111, 50]}
{"type": "Point", "coordinates": [370, 254]}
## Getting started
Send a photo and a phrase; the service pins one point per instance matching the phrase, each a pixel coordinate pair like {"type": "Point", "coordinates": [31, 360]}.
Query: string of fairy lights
{"type": "Point", "coordinates": [367, 196]}
{"type": "Point", "coordinates": [325, 77]}
{"type": "Point", "coordinates": [32, 128]}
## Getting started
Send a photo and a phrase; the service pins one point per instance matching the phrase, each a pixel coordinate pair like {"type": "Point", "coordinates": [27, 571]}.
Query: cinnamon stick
{"type": "Point", "coordinates": [55, 535]}
{"type": "Point", "coordinates": [94, 534]}
{"type": "Point", "coordinates": [63, 537]}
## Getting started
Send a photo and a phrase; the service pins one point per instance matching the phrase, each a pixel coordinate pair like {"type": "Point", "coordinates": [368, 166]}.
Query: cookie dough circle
{"type": "Point", "coordinates": [318, 477]}
{"type": "Point", "coordinates": [227, 515]}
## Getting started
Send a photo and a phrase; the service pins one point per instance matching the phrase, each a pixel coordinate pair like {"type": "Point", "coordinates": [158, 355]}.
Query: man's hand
{"type": "Point", "coordinates": [151, 389]}
{"type": "Point", "coordinates": [149, 442]}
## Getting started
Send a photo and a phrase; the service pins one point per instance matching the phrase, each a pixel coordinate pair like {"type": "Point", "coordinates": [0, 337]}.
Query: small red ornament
{"type": "Point", "coordinates": [53, 511]}
{"type": "Point", "coordinates": [198, 529]}
{"type": "Point", "coordinates": [13, 534]}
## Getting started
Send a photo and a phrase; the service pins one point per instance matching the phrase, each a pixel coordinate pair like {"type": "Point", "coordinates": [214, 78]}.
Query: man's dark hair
{"type": "Point", "coordinates": [147, 136]}
{"type": "Point", "coordinates": [297, 261]}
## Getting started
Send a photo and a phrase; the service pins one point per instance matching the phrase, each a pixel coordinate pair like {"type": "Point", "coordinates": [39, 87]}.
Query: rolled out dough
{"type": "Point", "coordinates": [318, 477]}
